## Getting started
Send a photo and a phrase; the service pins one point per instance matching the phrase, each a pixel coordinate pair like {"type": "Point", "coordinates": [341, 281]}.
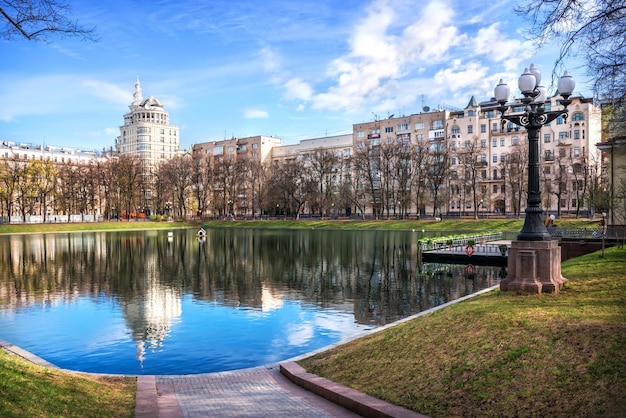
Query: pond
{"type": "Point", "coordinates": [165, 302]}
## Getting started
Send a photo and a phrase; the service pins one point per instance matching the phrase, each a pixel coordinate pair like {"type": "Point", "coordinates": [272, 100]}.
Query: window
{"type": "Point", "coordinates": [502, 158]}
{"type": "Point", "coordinates": [420, 137]}
{"type": "Point", "coordinates": [456, 130]}
{"type": "Point", "coordinates": [494, 142]}
{"type": "Point", "coordinates": [403, 127]}
{"type": "Point", "coordinates": [470, 129]}
{"type": "Point", "coordinates": [453, 144]}
{"type": "Point", "coordinates": [437, 124]}
{"type": "Point", "coordinates": [230, 148]}
{"type": "Point", "coordinates": [467, 143]}
{"type": "Point", "coordinates": [562, 153]}
{"type": "Point", "coordinates": [576, 152]}
{"type": "Point", "coordinates": [255, 146]}
{"type": "Point", "coordinates": [483, 158]}
{"type": "Point", "coordinates": [495, 158]}
{"type": "Point", "coordinates": [562, 136]}
{"type": "Point", "coordinates": [453, 160]}
{"type": "Point", "coordinates": [483, 128]}
{"type": "Point", "coordinates": [388, 129]}
{"type": "Point", "coordinates": [559, 120]}
{"type": "Point", "coordinates": [483, 143]}
{"type": "Point", "coordinates": [576, 134]}
{"type": "Point", "coordinates": [578, 116]}
{"type": "Point", "coordinates": [546, 138]}
{"type": "Point", "coordinates": [471, 113]}
{"type": "Point", "coordinates": [218, 150]}
{"type": "Point", "coordinates": [419, 125]}
{"type": "Point", "coordinates": [501, 142]}
{"type": "Point", "coordinates": [495, 127]}
{"type": "Point", "coordinates": [514, 140]}
{"type": "Point", "coordinates": [360, 134]}
{"type": "Point", "coordinates": [495, 188]}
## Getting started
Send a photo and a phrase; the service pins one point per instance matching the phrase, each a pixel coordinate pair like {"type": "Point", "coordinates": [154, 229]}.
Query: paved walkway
{"type": "Point", "coordinates": [258, 392]}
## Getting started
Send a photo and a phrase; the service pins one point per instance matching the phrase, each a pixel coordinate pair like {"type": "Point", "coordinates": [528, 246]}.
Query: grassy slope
{"type": "Point", "coordinates": [503, 354]}
{"type": "Point", "coordinates": [28, 390]}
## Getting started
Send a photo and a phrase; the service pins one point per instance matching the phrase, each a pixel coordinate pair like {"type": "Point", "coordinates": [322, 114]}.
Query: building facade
{"type": "Point", "coordinates": [147, 133]}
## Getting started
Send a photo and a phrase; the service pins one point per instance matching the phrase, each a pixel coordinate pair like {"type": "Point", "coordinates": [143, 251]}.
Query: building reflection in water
{"type": "Point", "coordinates": [376, 275]}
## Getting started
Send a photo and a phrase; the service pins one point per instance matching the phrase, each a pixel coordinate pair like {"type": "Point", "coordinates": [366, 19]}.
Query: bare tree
{"type": "Point", "coordinates": [43, 179]}
{"type": "Point", "coordinates": [419, 164]}
{"type": "Point", "coordinates": [127, 175]}
{"type": "Point", "coordinates": [40, 20]}
{"type": "Point", "coordinates": [257, 179]}
{"type": "Point", "coordinates": [179, 174]}
{"type": "Point", "coordinates": [366, 162]}
{"type": "Point", "coordinates": [438, 171]}
{"type": "Point", "coordinates": [202, 178]}
{"type": "Point", "coordinates": [67, 189]}
{"type": "Point", "coordinates": [292, 185]}
{"type": "Point", "coordinates": [10, 176]}
{"type": "Point", "coordinates": [514, 169]}
{"type": "Point", "coordinates": [323, 166]}
{"type": "Point", "coordinates": [594, 29]}
{"type": "Point", "coordinates": [473, 159]}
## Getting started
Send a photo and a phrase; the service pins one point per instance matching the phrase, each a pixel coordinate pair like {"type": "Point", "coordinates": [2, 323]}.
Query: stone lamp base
{"type": "Point", "coordinates": [534, 267]}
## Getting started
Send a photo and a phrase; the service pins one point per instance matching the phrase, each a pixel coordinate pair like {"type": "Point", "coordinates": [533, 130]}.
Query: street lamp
{"type": "Point", "coordinates": [534, 117]}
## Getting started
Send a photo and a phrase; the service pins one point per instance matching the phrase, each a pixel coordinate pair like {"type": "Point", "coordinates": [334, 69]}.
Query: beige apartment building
{"type": "Point", "coordinates": [481, 153]}
{"type": "Point", "coordinates": [258, 148]}
{"type": "Point", "coordinates": [486, 161]}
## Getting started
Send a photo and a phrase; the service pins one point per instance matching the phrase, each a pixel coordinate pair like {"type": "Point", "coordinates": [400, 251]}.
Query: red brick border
{"type": "Point", "coordinates": [350, 399]}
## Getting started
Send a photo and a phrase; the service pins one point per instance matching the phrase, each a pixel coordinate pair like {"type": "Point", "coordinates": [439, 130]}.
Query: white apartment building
{"type": "Point", "coordinates": [59, 155]}
{"type": "Point", "coordinates": [147, 133]}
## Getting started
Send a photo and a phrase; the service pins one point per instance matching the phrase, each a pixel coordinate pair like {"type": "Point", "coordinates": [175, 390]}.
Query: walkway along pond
{"type": "Point", "coordinates": [155, 302]}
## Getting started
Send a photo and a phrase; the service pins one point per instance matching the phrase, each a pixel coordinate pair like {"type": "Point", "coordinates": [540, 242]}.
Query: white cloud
{"type": "Point", "coordinates": [256, 114]}
{"type": "Point", "coordinates": [378, 58]}
{"type": "Point", "coordinates": [492, 43]}
{"type": "Point", "coordinates": [109, 92]}
{"type": "Point", "coordinates": [298, 89]}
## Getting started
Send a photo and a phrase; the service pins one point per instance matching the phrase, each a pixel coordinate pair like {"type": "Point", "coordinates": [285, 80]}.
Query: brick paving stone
{"type": "Point", "coordinates": [246, 393]}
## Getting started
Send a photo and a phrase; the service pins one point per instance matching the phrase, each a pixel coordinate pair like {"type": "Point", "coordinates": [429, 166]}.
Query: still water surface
{"type": "Point", "coordinates": [143, 302]}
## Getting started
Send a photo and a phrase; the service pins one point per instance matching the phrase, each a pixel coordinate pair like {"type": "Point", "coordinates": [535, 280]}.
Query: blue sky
{"type": "Point", "coordinates": [291, 69]}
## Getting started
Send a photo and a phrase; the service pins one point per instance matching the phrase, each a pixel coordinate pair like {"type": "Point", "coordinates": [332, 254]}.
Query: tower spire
{"type": "Point", "coordinates": [137, 97]}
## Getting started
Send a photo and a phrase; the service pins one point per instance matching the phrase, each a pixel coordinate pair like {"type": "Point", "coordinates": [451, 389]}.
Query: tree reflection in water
{"type": "Point", "coordinates": [374, 275]}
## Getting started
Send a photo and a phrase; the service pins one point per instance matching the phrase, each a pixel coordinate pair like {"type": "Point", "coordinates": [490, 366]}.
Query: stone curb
{"type": "Point", "coordinates": [353, 400]}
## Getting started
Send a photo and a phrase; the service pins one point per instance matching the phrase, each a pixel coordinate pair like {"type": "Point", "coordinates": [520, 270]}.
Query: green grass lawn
{"type": "Point", "coordinates": [427, 225]}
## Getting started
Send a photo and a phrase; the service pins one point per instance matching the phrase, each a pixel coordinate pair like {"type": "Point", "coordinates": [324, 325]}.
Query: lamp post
{"type": "Point", "coordinates": [533, 118]}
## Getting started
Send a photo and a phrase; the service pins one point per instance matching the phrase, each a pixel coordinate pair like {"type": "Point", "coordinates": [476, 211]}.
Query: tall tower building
{"type": "Point", "coordinates": [147, 136]}
{"type": "Point", "coordinates": [147, 133]}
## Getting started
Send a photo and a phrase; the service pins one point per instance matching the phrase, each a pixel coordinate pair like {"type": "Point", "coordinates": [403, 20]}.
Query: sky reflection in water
{"type": "Point", "coordinates": [139, 302]}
